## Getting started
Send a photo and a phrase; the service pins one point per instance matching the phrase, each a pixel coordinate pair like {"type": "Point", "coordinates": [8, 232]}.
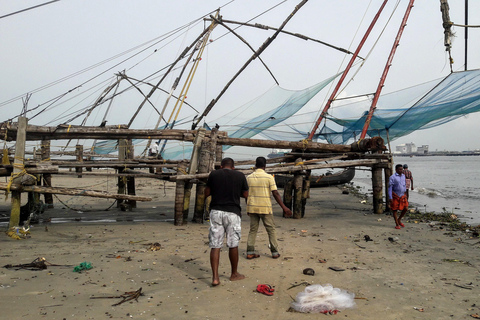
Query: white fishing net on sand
{"type": "Point", "coordinates": [320, 299]}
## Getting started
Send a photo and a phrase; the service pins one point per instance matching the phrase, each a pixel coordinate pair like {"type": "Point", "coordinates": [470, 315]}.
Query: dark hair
{"type": "Point", "coordinates": [398, 165]}
{"type": "Point", "coordinates": [228, 162]}
{"type": "Point", "coordinates": [405, 166]}
{"type": "Point", "coordinates": [261, 162]}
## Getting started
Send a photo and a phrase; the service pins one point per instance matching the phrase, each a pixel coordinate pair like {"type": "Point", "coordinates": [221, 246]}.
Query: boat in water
{"type": "Point", "coordinates": [319, 181]}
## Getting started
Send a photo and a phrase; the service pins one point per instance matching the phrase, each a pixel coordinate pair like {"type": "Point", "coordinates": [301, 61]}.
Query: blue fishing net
{"type": "Point", "coordinates": [400, 113]}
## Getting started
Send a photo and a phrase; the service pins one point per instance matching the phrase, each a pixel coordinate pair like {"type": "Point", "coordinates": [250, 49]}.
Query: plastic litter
{"type": "Point", "coordinates": [323, 299]}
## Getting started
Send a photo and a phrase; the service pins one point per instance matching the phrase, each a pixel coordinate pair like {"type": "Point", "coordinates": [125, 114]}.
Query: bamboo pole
{"type": "Point", "coordinates": [17, 170]}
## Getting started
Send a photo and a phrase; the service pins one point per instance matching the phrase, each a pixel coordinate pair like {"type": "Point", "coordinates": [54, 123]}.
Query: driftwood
{"type": "Point", "coordinates": [127, 296]}
{"type": "Point", "coordinates": [35, 265]}
{"type": "Point", "coordinates": [73, 192]}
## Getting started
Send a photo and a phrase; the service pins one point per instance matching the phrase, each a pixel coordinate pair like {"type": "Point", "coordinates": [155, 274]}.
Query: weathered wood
{"type": "Point", "coordinates": [305, 191]}
{"type": "Point", "coordinates": [122, 181]}
{"type": "Point", "coordinates": [17, 169]}
{"type": "Point", "coordinates": [377, 190]}
{"type": "Point", "coordinates": [74, 192]}
{"type": "Point", "coordinates": [79, 157]}
{"type": "Point", "coordinates": [200, 189]}
{"type": "Point", "coordinates": [83, 132]}
{"type": "Point", "coordinates": [179, 195]}
{"type": "Point", "coordinates": [271, 144]}
{"type": "Point", "coordinates": [47, 178]}
{"type": "Point", "coordinates": [39, 169]}
{"type": "Point", "coordinates": [297, 195]}
{"type": "Point", "coordinates": [192, 169]}
{"type": "Point", "coordinates": [343, 164]}
{"type": "Point", "coordinates": [130, 179]}
{"type": "Point", "coordinates": [287, 194]}
{"type": "Point", "coordinates": [125, 173]}
{"type": "Point", "coordinates": [388, 172]}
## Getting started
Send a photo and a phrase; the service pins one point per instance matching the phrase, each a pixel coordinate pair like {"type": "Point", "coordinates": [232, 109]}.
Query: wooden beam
{"type": "Point", "coordinates": [74, 192]}
{"type": "Point", "coordinates": [343, 164]}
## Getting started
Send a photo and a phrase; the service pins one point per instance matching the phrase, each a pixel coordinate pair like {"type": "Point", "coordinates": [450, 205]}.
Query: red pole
{"type": "Point", "coordinates": [337, 87]}
{"type": "Point", "coordinates": [385, 71]}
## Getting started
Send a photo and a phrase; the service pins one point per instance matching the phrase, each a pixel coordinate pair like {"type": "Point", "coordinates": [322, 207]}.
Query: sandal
{"type": "Point", "coordinates": [252, 256]}
{"type": "Point", "coordinates": [266, 289]}
{"type": "Point", "coordinates": [398, 227]}
{"type": "Point", "coordinates": [276, 256]}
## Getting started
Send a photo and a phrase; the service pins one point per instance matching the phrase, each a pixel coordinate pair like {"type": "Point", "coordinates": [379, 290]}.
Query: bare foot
{"type": "Point", "coordinates": [236, 276]}
{"type": "Point", "coordinates": [215, 282]}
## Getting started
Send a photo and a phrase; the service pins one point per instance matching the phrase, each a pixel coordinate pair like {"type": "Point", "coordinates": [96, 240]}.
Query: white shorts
{"type": "Point", "coordinates": [224, 223]}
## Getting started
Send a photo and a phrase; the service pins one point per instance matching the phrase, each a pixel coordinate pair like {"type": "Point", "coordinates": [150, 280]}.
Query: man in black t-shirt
{"type": "Point", "coordinates": [226, 186]}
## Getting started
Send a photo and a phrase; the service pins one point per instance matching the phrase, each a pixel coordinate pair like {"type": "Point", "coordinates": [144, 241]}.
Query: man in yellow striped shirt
{"type": "Point", "coordinates": [259, 207]}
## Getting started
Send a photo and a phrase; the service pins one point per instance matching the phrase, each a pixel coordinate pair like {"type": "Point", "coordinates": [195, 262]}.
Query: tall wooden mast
{"type": "Point", "coordinates": [352, 60]}
{"type": "Point", "coordinates": [385, 71]}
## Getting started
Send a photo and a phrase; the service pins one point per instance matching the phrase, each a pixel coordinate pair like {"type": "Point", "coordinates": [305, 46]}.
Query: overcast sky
{"type": "Point", "coordinates": [44, 45]}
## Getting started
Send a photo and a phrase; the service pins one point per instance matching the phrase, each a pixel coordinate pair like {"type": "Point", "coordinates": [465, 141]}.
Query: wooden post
{"type": "Point", "coordinates": [297, 185]}
{"type": "Point", "coordinates": [200, 190]}
{"type": "Point", "coordinates": [79, 155]}
{"type": "Point", "coordinates": [130, 155]}
{"type": "Point", "coordinates": [306, 190]}
{"type": "Point", "coordinates": [206, 163]}
{"type": "Point", "coordinates": [219, 149]}
{"type": "Point", "coordinates": [192, 169]}
{"type": "Point", "coordinates": [297, 195]}
{"type": "Point", "coordinates": [388, 172]}
{"type": "Point", "coordinates": [179, 195]}
{"type": "Point", "coordinates": [377, 189]}
{"type": "Point", "coordinates": [47, 177]}
{"type": "Point", "coordinates": [122, 146]}
{"type": "Point", "coordinates": [89, 169]}
{"type": "Point", "coordinates": [287, 194]}
{"type": "Point", "coordinates": [18, 163]}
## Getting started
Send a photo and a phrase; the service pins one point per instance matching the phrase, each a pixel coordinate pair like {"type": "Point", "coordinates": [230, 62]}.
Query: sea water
{"type": "Point", "coordinates": [442, 184]}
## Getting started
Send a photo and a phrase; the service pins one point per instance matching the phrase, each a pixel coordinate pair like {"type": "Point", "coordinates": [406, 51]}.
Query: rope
{"type": "Point", "coordinates": [22, 172]}
{"type": "Point", "coordinates": [181, 170]}
{"type": "Point", "coordinates": [73, 209]}
{"type": "Point", "coordinates": [305, 144]}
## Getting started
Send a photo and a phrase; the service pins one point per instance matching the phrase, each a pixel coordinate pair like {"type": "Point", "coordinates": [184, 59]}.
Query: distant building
{"type": "Point", "coordinates": [406, 148]}
{"type": "Point", "coordinates": [423, 149]}
{"type": "Point", "coordinates": [411, 148]}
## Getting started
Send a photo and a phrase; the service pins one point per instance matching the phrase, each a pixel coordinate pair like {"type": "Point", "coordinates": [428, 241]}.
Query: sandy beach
{"type": "Point", "coordinates": [424, 271]}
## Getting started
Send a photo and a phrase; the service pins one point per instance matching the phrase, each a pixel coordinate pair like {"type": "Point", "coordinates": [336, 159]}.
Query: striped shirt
{"type": "Point", "coordinates": [260, 187]}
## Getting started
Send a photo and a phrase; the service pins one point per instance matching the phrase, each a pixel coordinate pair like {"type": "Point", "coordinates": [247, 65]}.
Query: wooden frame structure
{"type": "Point", "coordinates": [207, 154]}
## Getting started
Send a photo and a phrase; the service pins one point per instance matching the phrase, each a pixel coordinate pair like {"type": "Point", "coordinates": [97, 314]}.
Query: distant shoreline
{"type": "Point", "coordinates": [444, 153]}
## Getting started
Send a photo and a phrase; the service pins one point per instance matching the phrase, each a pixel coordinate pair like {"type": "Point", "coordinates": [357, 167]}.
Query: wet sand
{"type": "Point", "coordinates": [426, 272]}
